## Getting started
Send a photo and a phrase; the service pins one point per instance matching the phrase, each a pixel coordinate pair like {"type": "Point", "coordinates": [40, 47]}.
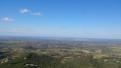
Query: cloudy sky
{"type": "Point", "coordinates": [61, 18]}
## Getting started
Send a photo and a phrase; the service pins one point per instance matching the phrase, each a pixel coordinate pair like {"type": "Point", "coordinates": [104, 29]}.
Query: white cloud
{"type": "Point", "coordinates": [25, 10]}
{"type": "Point", "coordinates": [37, 14]}
{"type": "Point", "coordinates": [28, 11]}
{"type": "Point", "coordinates": [6, 19]}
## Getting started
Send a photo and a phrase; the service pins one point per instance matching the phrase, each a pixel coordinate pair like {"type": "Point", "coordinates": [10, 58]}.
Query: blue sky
{"type": "Point", "coordinates": [61, 18]}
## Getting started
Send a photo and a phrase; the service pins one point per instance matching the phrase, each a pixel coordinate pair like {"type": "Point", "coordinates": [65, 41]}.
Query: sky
{"type": "Point", "coordinates": [61, 18]}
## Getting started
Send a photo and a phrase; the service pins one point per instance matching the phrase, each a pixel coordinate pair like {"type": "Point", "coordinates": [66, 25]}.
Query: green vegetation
{"type": "Point", "coordinates": [58, 54]}
{"type": "Point", "coordinates": [33, 60]}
